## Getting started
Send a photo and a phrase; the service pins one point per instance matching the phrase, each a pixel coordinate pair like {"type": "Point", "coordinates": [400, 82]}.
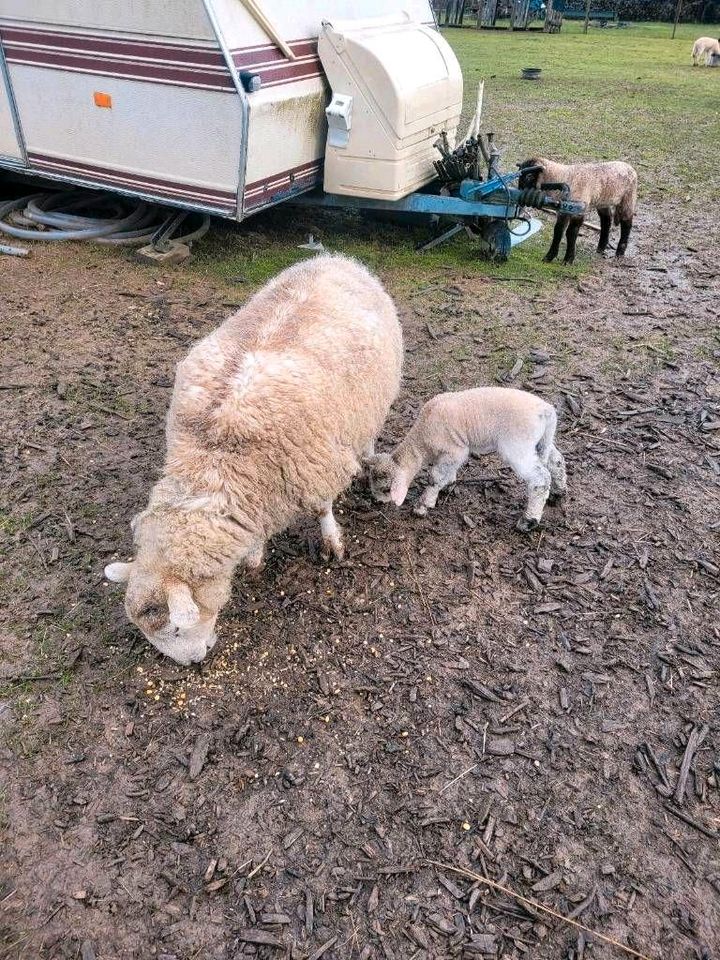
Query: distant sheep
{"type": "Point", "coordinates": [270, 417]}
{"type": "Point", "coordinates": [706, 48]}
{"type": "Point", "coordinates": [608, 187]}
{"type": "Point", "coordinates": [451, 427]}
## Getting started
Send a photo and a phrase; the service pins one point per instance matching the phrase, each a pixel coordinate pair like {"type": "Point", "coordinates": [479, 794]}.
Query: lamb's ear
{"type": "Point", "coordinates": [184, 612]}
{"type": "Point", "coordinates": [118, 572]}
{"type": "Point", "coordinates": [399, 489]}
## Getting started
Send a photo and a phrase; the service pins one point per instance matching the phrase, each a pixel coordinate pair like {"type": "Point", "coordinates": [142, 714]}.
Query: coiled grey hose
{"type": "Point", "coordinates": [55, 217]}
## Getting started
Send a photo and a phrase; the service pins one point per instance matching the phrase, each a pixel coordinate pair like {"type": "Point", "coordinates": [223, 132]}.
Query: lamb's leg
{"type": "Point", "coordinates": [572, 232]}
{"type": "Point", "coordinates": [605, 224]}
{"type": "Point", "coordinates": [528, 467]}
{"type": "Point", "coordinates": [331, 532]}
{"type": "Point", "coordinates": [255, 556]}
{"type": "Point", "coordinates": [558, 474]}
{"type": "Point", "coordinates": [558, 232]}
{"type": "Point", "coordinates": [368, 452]}
{"type": "Point", "coordinates": [625, 228]}
{"type": "Point", "coordinates": [442, 474]}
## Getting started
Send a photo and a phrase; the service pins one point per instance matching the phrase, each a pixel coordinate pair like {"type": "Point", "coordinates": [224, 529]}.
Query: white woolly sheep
{"type": "Point", "coordinates": [608, 187]}
{"type": "Point", "coordinates": [451, 427]}
{"type": "Point", "coordinates": [706, 48]}
{"type": "Point", "coordinates": [270, 417]}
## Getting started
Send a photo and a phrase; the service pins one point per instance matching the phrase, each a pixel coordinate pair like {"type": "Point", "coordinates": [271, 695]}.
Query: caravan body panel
{"type": "Point", "coordinates": [147, 99]}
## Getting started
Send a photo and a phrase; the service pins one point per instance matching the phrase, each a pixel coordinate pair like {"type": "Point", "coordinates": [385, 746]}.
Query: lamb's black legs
{"type": "Point", "coordinates": [625, 228]}
{"type": "Point", "coordinates": [605, 224]}
{"type": "Point", "coordinates": [572, 232]}
{"type": "Point", "coordinates": [570, 227]}
{"type": "Point", "coordinates": [562, 222]}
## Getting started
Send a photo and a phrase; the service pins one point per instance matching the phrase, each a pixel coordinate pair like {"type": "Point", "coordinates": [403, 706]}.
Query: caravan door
{"type": "Point", "coordinates": [10, 146]}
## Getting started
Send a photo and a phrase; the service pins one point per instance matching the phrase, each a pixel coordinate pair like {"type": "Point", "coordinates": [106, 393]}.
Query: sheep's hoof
{"type": "Point", "coordinates": [420, 510]}
{"type": "Point", "coordinates": [333, 548]}
{"type": "Point", "coordinates": [556, 496]}
{"type": "Point", "coordinates": [527, 524]}
{"type": "Point", "coordinates": [255, 560]}
{"type": "Point", "coordinates": [549, 257]}
{"type": "Point", "coordinates": [568, 262]}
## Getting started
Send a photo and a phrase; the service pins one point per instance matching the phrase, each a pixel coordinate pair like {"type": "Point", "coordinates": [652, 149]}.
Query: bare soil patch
{"type": "Point", "coordinates": [453, 691]}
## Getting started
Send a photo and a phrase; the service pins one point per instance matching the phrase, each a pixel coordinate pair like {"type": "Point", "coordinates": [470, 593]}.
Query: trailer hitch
{"type": "Point", "coordinates": [498, 190]}
{"type": "Point", "coordinates": [539, 200]}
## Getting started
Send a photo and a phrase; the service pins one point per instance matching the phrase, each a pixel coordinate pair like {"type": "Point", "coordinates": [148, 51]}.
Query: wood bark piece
{"type": "Point", "coordinates": [694, 740]}
{"type": "Point", "coordinates": [199, 755]}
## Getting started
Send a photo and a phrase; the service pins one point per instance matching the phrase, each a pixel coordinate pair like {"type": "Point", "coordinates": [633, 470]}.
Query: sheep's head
{"type": "Point", "coordinates": [388, 482]}
{"type": "Point", "coordinates": [173, 606]}
{"type": "Point", "coordinates": [530, 171]}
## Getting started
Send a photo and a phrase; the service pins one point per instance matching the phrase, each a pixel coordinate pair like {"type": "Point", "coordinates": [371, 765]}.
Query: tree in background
{"type": "Point", "coordinates": [451, 12]}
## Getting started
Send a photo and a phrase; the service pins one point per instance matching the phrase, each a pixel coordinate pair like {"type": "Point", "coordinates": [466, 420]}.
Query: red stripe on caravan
{"type": "Point", "coordinates": [152, 72]}
{"type": "Point", "coordinates": [115, 183]}
{"type": "Point", "coordinates": [251, 57]}
{"type": "Point", "coordinates": [63, 164]}
{"type": "Point", "coordinates": [150, 49]}
{"type": "Point", "coordinates": [157, 61]}
{"type": "Point", "coordinates": [289, 71]}
{"type": "Point", "coordinates": [262, 192]}
{"type": "Point", "coordinates": [287, 174]}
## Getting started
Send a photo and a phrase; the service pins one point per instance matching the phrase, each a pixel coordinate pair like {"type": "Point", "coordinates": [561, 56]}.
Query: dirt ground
{"type": "Point", "coordinates": [454, 695]}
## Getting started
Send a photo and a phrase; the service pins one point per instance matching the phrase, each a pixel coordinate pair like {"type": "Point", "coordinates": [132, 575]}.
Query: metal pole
{"type": "Point", "coordinates": [678, 9]}
{"type": "Point", "coordinates": [14, 251]}
{"type": "Point", "coordinates": [587, 15]}
{"type": "Point", "coordinates": [259, 15]}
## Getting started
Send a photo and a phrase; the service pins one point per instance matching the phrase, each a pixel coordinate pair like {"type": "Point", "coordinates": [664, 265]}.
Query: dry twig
{"type": "Point", "coordinates": [538, 906]}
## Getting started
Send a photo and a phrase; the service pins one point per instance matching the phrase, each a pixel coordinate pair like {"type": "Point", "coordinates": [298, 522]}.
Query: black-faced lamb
{"type": "Point", "coordinates": [610, 187]}
{"type": "Point", "coordinates": [269, 419]}
{"type": "Point", "coordinates": [451, 427]}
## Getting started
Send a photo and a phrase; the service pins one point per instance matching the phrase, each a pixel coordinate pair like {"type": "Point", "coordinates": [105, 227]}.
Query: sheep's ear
{"type": "Point", "coordinates": [184, 612]}
{"type": "Point", "coordinates": [118, 572]}
{"type": "Point", "coordinates": [399, 489]}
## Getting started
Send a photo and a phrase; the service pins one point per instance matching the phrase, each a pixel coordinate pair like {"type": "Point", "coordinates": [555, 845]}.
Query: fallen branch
{"type": "Point", "coordinates": [538, 906]}
{"type": "Point", "coordinates": [694, 741]}
{"type": "Point", "coordinates": [259, 867]}
{"type": "Point", "coordinates": [463, 774]}
{"type": "Point", "coordinates": [713, 834]}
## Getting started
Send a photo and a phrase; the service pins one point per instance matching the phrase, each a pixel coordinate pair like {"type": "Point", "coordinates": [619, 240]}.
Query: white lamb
{"type": "Point", "coordinates": [706, 48]}
{"type": "Point", "coordinates": [451, 427]}
{"type": "Point", "coordinates": [270, 417]}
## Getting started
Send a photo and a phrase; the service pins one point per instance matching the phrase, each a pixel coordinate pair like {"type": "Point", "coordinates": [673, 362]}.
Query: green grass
{"type": "Point", "coordinates": [252, 253]}
{"type": "Point", "coordinates": [10, 525]}
{"type": "Point", "coordinates": [628, 94]}
{"type": "Point", "coordinates": [622, 94]}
